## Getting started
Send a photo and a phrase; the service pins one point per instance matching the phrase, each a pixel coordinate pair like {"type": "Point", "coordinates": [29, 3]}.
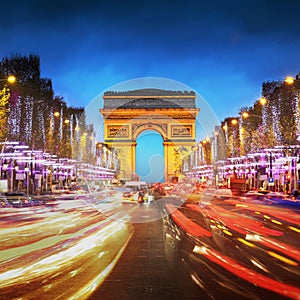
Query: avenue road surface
{"type": "Point", "coordinates": [143, 271]}
{"type": "Point", "coordinates": [232, 249]}
{"type": "Point", "coordinates": [98, 247]}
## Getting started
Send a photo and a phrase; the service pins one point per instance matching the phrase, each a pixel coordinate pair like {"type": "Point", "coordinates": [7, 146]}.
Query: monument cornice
{"type": "Point", "coordinates": [146, 97]}
{"type": "Point", "coordinates": [149, 98]}
{"type": "Point", "coordinates": [174, 113]}
{"type": "Point", "coordinates": [149, 92]}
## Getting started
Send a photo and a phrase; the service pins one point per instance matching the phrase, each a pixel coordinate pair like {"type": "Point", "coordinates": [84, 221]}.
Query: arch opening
{"type": "Point", "coordinates": [150, 156]}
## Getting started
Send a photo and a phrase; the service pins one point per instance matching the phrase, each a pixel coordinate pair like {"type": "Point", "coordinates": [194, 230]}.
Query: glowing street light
{"type": "Point", "coordinates": [234, 121]}
{"type": "Point", "coordinates": [4, 98]}
{"type": "Point", "coordinates": [245, 126]}
{"type": "Point", "coordinates": [295, 82]}
{"type": "Point", "coordinates": [289, 80]}
{"type": "Point", "coordinates": [56, 114]}
{"type": "Point", "coordinates": [262, 100]}
{"type": "Point", "coordinates": [9, 79]}
{"type": "Point", "coordinates": [246, 115]}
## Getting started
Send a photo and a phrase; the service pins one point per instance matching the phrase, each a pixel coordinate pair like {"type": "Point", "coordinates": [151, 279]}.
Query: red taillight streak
{"type": "Point", "coordinates": [186, 224]}
{"type": "Point", "coordinates": [283, 248]}
{"type": "Point", "coordinates": [238, 223]}
{"type": "Point", "coordinates": [285, 214]}
{"type": "Point", "coordinates": [252, 276]}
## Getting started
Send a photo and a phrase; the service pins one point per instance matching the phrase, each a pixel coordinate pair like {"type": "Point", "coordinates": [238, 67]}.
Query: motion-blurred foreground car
{"type": "Point", "coordinates": [236, 250]}
{"type": "Point", "coordinates": [59, 252]}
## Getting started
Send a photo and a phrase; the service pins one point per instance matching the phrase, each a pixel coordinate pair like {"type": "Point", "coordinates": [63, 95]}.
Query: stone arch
{"type": "Point", "coordinates": [170, 113]}
{"type": "Point", "coordinates": [137, 129]}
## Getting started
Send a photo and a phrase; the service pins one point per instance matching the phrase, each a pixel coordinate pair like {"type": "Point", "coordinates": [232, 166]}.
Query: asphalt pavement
{"type": "Point", "coordinates": [143, 271]}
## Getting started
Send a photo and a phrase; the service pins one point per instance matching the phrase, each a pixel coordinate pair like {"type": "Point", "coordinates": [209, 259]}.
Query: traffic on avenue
{"type": "Point", "coordinates": [200, 242]}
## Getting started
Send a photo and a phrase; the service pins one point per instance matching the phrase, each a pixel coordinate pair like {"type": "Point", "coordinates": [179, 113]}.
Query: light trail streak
{"type": "Point", "coordinates": [56, 244]}
{"type": "Point", "coordinates": [248, 274]}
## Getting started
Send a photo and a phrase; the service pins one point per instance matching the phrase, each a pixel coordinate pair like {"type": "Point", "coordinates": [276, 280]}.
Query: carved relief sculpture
{"type": "Point", "coordinates": [117, 131]}
{"type": "Point", "coordinates": [181, 131]}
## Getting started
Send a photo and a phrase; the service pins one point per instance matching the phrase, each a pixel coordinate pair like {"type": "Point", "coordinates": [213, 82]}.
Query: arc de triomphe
{"type": "Point", "coordinates": [170, 113]}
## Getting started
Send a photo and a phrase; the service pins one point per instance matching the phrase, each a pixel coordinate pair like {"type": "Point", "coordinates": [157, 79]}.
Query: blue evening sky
{"type": "Point", "coordinates": [150, 158]}
{"type": "Point", "coordinates": [224, 50]}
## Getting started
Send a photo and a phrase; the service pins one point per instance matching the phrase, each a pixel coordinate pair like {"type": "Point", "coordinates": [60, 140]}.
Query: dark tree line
{"type": "Point", "coordinates": [35, 115]}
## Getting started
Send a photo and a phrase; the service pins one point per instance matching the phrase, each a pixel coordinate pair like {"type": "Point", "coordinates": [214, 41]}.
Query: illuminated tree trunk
{"type": "Point", "coordinates": [4, 96]}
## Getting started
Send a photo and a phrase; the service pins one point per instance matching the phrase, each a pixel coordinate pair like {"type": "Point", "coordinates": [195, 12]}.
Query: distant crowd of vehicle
{"type": "Point", "coordinates": [142, 192]}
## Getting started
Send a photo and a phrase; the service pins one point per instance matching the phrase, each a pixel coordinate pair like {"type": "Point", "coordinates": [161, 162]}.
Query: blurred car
{"type": "Point", "coordinates": [19, 199]}
{"type": "Point", "coordinates": [270, 198]}
{"type": "Point", "coordinates": [3, 202]}
{"type": "Point", "coordinates": [38, 201]}
{"type": "Point", "coordinates": [223, 248]}
{"type": "Point", "coordinates": [223, 193]}
{"type": "Point", "coordinates": [129, 196]}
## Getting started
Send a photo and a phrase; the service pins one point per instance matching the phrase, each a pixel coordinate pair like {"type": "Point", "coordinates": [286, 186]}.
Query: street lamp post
{"type": "Point", "coordinates": [12, 168]}
{"type": "Point", "coordinates": [234, 139]}
{"type": "Point", "coordinates": [195, 156]}
{"type": "Point", "coordinates": [4, 93]}
{"type": "Point", "coordinates": [9, 79]}
{"type": "Point", "coordinates": [4, 97]}
{"type": "Point", "coordinates": [245, 115]}
{"type": "Point", "coordinates": [27, 179]}
{"type": "Point", "coordinates": [262, 101]}
{"type": "Point", "coordinates": [230, 136]}
{"type": "Point", "coordinates": [295, 82]}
